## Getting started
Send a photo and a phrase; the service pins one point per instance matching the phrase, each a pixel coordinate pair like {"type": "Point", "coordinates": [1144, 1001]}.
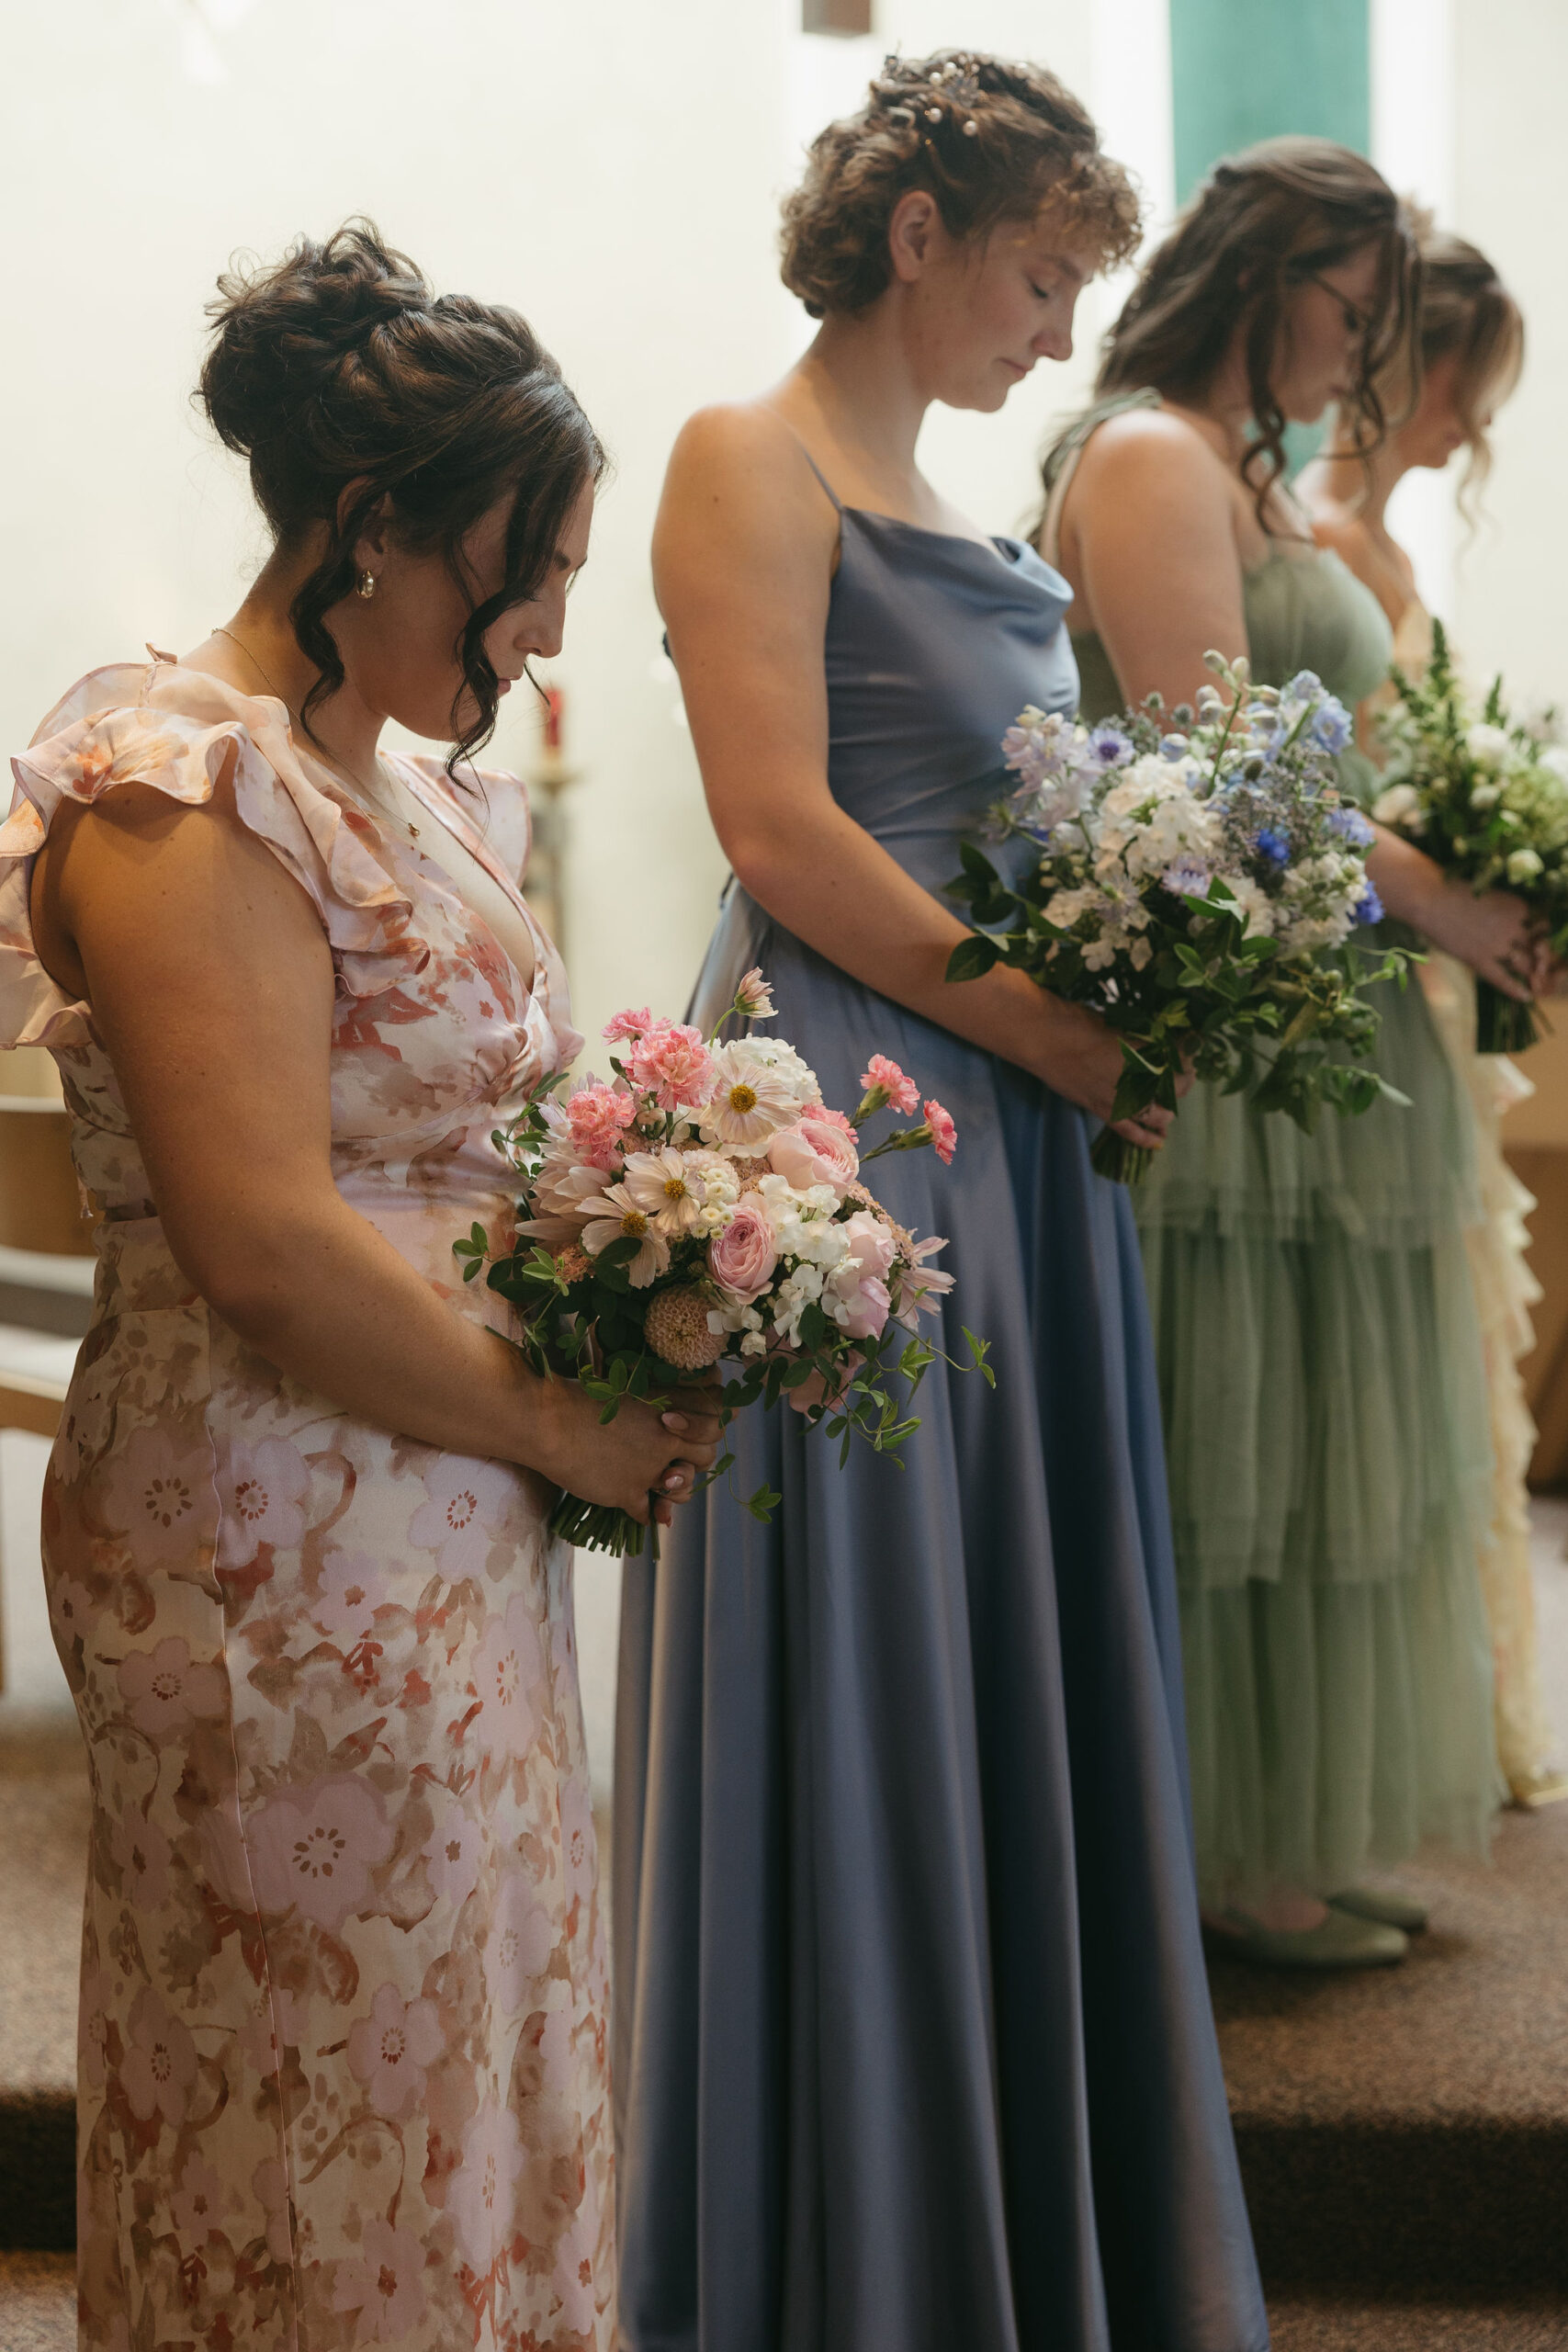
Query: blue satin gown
{"type": "Point", "coordinates": [913, 2045]}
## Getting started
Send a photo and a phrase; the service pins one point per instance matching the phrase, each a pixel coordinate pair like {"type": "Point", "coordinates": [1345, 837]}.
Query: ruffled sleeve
{"type": "Point", "coordinates": [175, 730]}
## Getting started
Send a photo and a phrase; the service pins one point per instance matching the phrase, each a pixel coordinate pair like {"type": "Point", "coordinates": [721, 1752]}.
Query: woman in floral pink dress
{"type": "Point", "coordinates": [343, 2038]}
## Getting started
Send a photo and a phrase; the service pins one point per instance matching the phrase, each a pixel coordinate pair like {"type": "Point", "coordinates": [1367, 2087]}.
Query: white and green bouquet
{"type": "Point", "coordinates": [1199, 884]}
{"type": "Point", "coordinates": [1488, 799]}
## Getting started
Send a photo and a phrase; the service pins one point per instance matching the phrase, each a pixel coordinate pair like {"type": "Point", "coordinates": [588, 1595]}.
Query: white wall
{"type": "Point", "coordinates": [609, 167]}
{"type": "Point", "coordinates": [1511, 196]}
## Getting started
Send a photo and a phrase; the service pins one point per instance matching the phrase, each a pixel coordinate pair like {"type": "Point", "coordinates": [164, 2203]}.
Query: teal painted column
{"type": "Point", "coordinates": [1243, 70]}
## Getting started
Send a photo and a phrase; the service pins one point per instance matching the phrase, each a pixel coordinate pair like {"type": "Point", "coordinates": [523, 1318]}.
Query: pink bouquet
{"type": "Point", "coordinates": [706, 1205]}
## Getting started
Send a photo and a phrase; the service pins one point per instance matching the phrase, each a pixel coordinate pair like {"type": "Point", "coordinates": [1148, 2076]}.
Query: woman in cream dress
{"type": "Point", "coordinates": [1471, 351]}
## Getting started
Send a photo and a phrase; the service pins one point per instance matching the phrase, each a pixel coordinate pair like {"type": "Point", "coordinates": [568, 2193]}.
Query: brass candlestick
{"type": "Point", "coordinates": [544, 887]}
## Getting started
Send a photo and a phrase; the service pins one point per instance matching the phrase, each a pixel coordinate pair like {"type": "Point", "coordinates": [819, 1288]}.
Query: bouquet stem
{"type": "Point", "coordinates": [1503, 1025]}
{"type": "Point", "coordinates": [600, 1527]}
{"type": "Point", "coordinates": [1124, 1163]}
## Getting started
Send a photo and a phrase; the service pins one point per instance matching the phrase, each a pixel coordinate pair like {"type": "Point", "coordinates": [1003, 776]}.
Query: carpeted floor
{"type": "Point", "coordinates": [1410, 2327]}
{"type": "Point", "coordinates": [38, 2303]}
{"type": "Point", "coordinates": [1403, 2133]}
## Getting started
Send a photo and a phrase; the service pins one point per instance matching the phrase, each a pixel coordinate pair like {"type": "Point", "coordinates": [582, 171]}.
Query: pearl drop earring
{"type": "Point", "coordinates": [365, 585]}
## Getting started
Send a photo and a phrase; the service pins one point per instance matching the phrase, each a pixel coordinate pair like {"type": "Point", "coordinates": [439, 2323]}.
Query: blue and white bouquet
{"type": "Point", "coordinates": [1201, 885]}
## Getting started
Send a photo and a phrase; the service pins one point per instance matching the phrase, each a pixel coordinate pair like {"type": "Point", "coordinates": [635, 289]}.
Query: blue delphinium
{"type": "Point", "coordinates": [1349, 825]}
{"type": "Point", "coordinates": [1331, 724]}
{"type": "Point", "coordinates": [1273, 845]}
{"type": "Point", "coordinates": [1368, 906]}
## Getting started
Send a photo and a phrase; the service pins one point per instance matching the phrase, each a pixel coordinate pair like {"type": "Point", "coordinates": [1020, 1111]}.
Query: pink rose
{"type": "Point", "coordinates": [944, 1134]}
{"type": "Point", "coordinates": [673, 1064]}
{"type": "Point", "coordinates": [598, 1117]}
{"type": "Point", "coordinates": [742, 1257]}
{"type": "Point", "coordinates": [816, 1150]}
{"type": "Point", "coordinates": [833, 1119]}
{"type": "Point", "coordinates": [857, 1291]}
{"type": "Point", "coordinates": [628, 1024]}
{"type": "Point", "coordinates": [884, 1079]}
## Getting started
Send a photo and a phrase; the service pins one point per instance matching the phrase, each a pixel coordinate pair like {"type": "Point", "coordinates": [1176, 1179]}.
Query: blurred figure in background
{"type": "Point", "coordinates": [1471, 352]}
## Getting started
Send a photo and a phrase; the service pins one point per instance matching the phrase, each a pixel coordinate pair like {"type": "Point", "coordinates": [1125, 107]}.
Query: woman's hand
{"type": "Point", "coordinates": [644, 1462]}
{"type": "Point", "coordinates": [1080, 1059]}
{"type": "Point", "coordinates": [1496, 933]}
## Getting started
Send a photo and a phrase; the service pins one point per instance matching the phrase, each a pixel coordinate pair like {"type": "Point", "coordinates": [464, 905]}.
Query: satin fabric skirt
{"type": "Point", "coordinates": [913, 2044]}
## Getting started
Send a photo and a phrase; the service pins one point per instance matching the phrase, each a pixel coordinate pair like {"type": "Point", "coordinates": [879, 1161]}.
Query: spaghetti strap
{"type": "Point", "coordinates": [838, 503]}
{"type": "Point", "coordinates": [1063, 463]}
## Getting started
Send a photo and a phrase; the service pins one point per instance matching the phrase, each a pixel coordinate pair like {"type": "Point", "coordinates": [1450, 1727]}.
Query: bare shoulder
{"type": "Point", "coordinates": [738, 444]}
{"type": "Point", "coordinates": [1146, 448]}
{"type": "Point", "coordinates": [1333, 527]}
{"type": "Point", "coordinates": [739, 493]}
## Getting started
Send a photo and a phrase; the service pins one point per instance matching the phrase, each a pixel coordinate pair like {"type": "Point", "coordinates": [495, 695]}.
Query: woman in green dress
{"type": "Point", "coordinates": [1319, 1357]}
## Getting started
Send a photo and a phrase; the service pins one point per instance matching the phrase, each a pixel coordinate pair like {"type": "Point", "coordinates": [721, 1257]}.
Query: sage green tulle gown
{"type": "Point", "coordinates": [1326, 1420]}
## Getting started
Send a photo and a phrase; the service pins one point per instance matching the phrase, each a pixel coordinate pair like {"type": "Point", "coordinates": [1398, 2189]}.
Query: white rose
{"type": "Point", "coordinates": [1524, 865]}
{"type": "Point", "coordinates": [1485, 795]}
{"type": "Point", "coordinates": [1398, 803]}
{"type": "Point", "coordinates": [1487, 746]}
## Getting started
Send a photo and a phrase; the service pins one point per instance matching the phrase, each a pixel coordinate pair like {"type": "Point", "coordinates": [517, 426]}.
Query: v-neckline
{"type": "Point", "coordinates": [468, 837]}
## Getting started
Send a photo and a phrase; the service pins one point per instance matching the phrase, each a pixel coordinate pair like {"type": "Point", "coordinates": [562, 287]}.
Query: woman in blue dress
{"type": "Point", "coordinates": [913, 2042]}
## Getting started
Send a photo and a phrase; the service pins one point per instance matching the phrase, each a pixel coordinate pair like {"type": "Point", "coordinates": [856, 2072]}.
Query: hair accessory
{"type": "Point", "coordinates": [365, 585]}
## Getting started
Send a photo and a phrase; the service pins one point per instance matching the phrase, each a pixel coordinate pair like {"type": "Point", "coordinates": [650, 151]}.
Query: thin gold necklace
{"type": "Point", "coordinates": [378, 802]}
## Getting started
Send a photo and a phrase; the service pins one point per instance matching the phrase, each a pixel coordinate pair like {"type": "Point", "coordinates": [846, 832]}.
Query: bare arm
{"type": "Point", "coordinates": [743, 553]}
{"type": "Point", "coordinates": [1149, 540]}
{"type": "Point", "coordinates": [211, 985]}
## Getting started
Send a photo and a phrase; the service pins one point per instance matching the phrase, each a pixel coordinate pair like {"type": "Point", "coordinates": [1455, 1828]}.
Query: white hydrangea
{"type": "Point", "coordinates": [802, 1221]}
{"type": "Point", "coordinates": [1254, 903]}
{"type": "Point", "coordinates": [775, 1054]}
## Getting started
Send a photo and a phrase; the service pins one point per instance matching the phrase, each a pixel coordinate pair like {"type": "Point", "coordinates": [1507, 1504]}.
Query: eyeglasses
{"type": "Point", "coordinates": [1358, 323]}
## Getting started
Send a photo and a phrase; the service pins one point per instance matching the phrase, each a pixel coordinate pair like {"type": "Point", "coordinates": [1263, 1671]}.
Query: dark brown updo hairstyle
{"type": "Point", "coordinates": [337, 367]}
{"type": "Point", "coordinates": [988, 141]}
{"type": "Point", "coordinates": [1261, 224]}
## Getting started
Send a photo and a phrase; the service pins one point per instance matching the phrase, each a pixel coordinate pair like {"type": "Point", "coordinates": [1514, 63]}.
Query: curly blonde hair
{"type": "Point", "coordinates": [990, 142]}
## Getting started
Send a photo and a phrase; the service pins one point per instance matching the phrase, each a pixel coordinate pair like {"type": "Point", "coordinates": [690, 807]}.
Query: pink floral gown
{"type": "Point", "coordinates": [343, 2052]}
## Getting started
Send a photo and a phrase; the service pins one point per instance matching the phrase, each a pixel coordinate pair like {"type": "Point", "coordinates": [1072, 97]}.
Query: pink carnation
{"type": "Point", "coordinates": [742, 1255]}
{"type": "Point", "coordinates": [944, 1134]}
{"type": "Point", "coordinates": [598, 1117]}
{"type": "Point", "coordinates": [816, 1150]}
{"type": "Point", "coordinates": [900, 1092]}
{"type": "Point", "coordinates": [673, 1065]}
{"type": "Point", "coordinates": [628, 1024]}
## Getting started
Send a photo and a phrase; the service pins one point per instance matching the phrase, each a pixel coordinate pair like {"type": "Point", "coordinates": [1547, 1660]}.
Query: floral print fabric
{"type": "Point", "coordinates": [343, 2027]}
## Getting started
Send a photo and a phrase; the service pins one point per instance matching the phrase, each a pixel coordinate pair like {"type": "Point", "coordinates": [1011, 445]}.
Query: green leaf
{"type": "Point", "coordinates": [972, 957]}
{"type": "Point", "coordinates": [764, 1503]}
